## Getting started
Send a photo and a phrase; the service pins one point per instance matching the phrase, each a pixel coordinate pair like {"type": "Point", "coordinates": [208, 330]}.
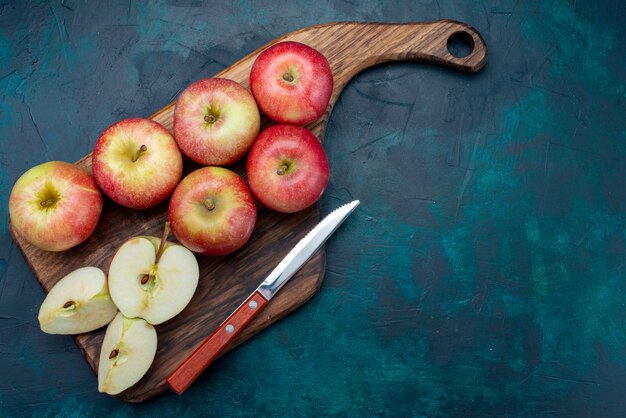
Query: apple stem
{"type": "Point", "coordinates": [282, 169]}
{"type": "Point", "coordinates": [140, 151]}
{"type": "Point", "coordinates": [166, 233]}
{"type": "Point", "coordinates": [209, 204]}
{"type": "Point", "coordinates": [288, 77]}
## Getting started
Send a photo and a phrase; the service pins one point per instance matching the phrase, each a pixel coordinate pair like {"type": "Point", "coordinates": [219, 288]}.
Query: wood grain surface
{"type": "Point", "coordinates": [225, 281]}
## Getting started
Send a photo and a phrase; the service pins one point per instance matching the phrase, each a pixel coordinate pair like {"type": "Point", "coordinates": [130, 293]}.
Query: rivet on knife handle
{"type": "Point", "coordinates": [213, 346]}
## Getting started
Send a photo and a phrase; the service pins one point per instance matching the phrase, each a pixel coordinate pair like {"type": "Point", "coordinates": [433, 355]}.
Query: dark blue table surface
{"type": "Point", "coordinates": [484, 272]}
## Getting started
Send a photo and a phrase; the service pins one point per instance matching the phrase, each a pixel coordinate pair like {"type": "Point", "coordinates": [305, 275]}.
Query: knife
{"type": "Point", "coordinates": [213, 346]}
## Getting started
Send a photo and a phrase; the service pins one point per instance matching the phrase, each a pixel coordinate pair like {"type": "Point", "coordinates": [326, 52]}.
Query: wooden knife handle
{"type": "Point", "coordinates": [211, 348]}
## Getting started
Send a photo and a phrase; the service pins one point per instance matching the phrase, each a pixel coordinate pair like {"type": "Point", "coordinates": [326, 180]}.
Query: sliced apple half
{"type": "Point", "coordinates": [77, 303]}
{"type": "Point", "coordinates": [152, 279]}
{"type": "Point", "coordinates": [127, 352]}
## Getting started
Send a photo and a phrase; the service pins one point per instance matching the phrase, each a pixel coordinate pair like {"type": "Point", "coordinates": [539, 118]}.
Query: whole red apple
{"type": "Point", "coordinates": [137, 163]}
{"type": "Point", "coordinates": [212, 211]}
{"type": "Point", "coordinates": [291, 83]}
{"type": "Point", "coordinates": [55, 206]}
{"type": "Point", "coordinates": [287, 168]}
{"type": "Point", "coordinates": [216, 120]}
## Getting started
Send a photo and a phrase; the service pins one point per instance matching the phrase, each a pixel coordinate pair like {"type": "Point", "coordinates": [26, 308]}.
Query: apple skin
{"type": "Point", "coordinates": [220, 230]}
{"type": "Point", "coordinates": [216, 120]}
{"type": "Point", "coordinates": [147, 181]}
{"type": "Point", "coordinates": [292, 83]}
{"type": "Point", "coordinates": [55, 206]}
{"type": "Point", "coordinates": [298, 155]}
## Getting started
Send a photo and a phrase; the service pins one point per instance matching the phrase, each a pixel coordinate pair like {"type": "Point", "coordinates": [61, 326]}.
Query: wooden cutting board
{"type": "Point", "coordinates": [226, 281]}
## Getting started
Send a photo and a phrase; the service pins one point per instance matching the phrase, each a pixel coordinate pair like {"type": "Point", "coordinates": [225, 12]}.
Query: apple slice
{"type": "Point", "coordinates": [152, 279]}
{"type": "Point", "coordinates": [127, 352]}
{"type": "Point", "coordinates": [77, 303]}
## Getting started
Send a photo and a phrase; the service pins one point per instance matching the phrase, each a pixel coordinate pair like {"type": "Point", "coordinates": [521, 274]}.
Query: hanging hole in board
{"type": "Point", "coordinates": [460, 44]}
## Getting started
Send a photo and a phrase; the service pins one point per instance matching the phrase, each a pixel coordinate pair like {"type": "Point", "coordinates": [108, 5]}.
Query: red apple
{"type": "Point", "coordinates": [216, 121]}
{"type": "Point", "coordinates": [55, 206]}
{"type": "Point", "coordinates": [287, 168]}
{"type": "Point", "coordinates": [212, 211]}
{"type": "Point", "coordinates": [291, 83]}
{"type": "Point", "coordinates": [137, 163]}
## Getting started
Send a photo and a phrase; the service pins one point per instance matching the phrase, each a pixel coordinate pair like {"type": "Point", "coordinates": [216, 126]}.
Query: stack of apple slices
{"type": "Point", "coordinates": [150, 281]}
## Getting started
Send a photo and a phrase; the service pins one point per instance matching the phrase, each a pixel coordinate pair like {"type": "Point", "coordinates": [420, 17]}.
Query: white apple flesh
{"type": "Point", "coordinates": [78, 303]}
{"type": "Point", "coordinates": [127, 352]}
{"type": "Point", "coordinates": [155, 290]}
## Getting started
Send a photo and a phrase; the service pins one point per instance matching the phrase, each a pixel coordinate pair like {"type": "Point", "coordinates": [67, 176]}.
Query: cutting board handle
{"type": "Point", "coordinates": [427, 42]}
{"type": "Point", "coordinates": [376, 43]}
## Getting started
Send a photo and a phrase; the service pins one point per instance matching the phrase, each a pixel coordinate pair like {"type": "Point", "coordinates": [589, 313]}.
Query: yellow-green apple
{"type": "Point", "coordinates": [55, 206]}
{"type": "Point", "coordinates": [212, 211]}
{"type": "Point", "coordinates": [127, 352]}
{"type": "Point", "coordinates": [216, 120]}
{"type": "Point", "coordinates": [152, 279]}
{"type": "Point", "coordinates": [77, 303]}
{"type": "Point", "coordinates": [291, 83]}
{"type": "Point", "coordinates": [287, 168]}
{"type": "Point", "coordinates": [137, 163]}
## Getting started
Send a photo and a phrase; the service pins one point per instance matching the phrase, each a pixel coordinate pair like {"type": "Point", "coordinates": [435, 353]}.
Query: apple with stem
{"type": "Point", "coordinates": [212, 211]}
{"type": "Point", "coordinates": [127, 352]}
{"type": "Point", "coordinates": [292, 83]}
{"type": "Point", "coordinates": [216, 120]}
{"type": "Point", "coordinates": [287, 168]}
{"type": "Point", "coordinates": [137, 163]}
{"type": "Point", "coordinates": [152, 279]}
{"type": "Point", "coordinates": [77, 303]}
{"type": "Point", "coordinates": [55, 206]}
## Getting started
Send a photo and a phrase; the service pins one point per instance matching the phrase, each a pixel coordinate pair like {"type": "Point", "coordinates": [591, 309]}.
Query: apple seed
{"type": "Point", "coordinates": [68, 304]}
{"type": "Point", "coordinates": [114, 353]}
{"type": "Point", "coordinates": [145, 279]}
{"type": "Point", "coordinates": [210, 118]}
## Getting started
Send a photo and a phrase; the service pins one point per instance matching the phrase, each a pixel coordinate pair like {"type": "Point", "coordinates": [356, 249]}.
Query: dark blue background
{"type": "Point", "coordinates": [484, 272]}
